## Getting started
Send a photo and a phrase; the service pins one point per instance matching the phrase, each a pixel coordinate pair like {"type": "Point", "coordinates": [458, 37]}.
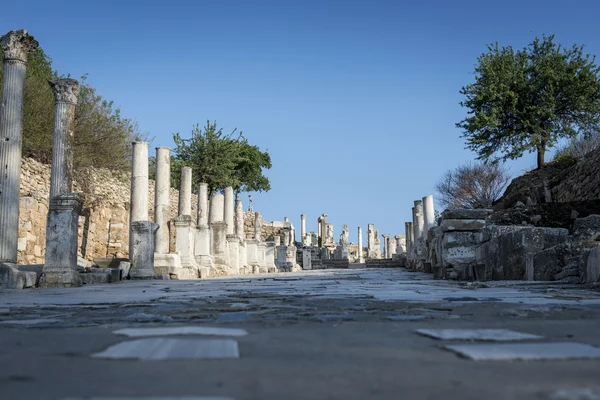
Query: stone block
{"type": "Point", "coordinates": [448, 225]}
{"type": "Point", "coordinates": [466, 213]}
{"type": "Point", "coordinates": [587, 228]}
{"type": "Point", "coordinates": [98, 276]}
{"type": "Point", "coordinates": [593, 266]}
{"type": "Point", "coordinates": [11, 277]}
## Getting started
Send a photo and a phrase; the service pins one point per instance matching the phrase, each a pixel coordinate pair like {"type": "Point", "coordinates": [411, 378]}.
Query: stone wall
{"type": "Point", "coordinates": [269, 229]}
{"type": "Point", "coordinates": [104, 223]}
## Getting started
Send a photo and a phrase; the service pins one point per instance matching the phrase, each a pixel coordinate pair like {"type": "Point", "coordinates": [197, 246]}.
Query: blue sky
{"type": "Point", "coordinates": [355, 101]}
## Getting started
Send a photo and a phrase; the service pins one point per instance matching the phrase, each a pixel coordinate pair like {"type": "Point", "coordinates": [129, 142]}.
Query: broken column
{"type": "Point", "coordinates": [138, 203]}
{"type": "Point", "coordinates": [391, 246]}
{"type": "Point", "coordinates": [386, 240]}
{"type": "Point", "coordinates": [428, 214]}
{"type": "Point", "coordinates": [60, 267]}
{"type": "Point", "coordinates": [400, 244]}
{"type": "Point", "coordinates": [228, 211]}
{"type": "Point", "coordinates": [258, 226]}
{"type": "Point", "coordinates": [360, 259]}
{"type": "Point", "coordinates": [142, 244]}
{"type": "Point", "coordinates": [16, 45]}
{"type": "Point", "coordinates": [202, 254]}
{"type": "Point", "coordinates": [161, 199]}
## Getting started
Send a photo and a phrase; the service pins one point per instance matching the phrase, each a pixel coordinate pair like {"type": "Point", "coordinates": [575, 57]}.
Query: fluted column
{"type": "Point", "coordinates": [66, 93]}
{"type": "Point", "coordinates": [16, 45]}
{"type": "Point", "coordinates": [139, 187]}
{"type": "Point", "coordinates": [428, 213]}
{"type": "Point", "coordinates": [185, 192]}
{"type": "Point", "coordinates": [161, 199]}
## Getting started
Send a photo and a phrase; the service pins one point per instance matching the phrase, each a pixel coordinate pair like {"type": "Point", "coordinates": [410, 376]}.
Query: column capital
{"type": "Point", "coordinates": [385, 235]}
{"type": "Point", "coordinates": [66, 90]}
{"type": "Point", "coordinates": [16, 45]}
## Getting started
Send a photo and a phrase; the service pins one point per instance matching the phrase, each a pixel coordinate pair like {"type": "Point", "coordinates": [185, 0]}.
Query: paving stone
{"type": "Point", "coordinates": [492, 335]}
{"type": "Point", "coordinates": [233, 317]}
{"type": "Point", "coordinates": [152, 398]}
{"type": "Point", "coordinates": [526, 351]}
{"type": "Point", "coordinates": [171, 349]}
{"type": "Point", "coordinates": [182, 330]}
{"type": "Point", "coordinates": [576, 394]}
{"type": "Point", "coordinates": [30, 321]}
{"type": "Point", "coordinates": [4, 311]}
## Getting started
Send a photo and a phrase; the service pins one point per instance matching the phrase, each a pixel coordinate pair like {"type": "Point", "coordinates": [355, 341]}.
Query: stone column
{"type": "Point", "coordinates": [391, 246]}
{"type": "Point", "coordinates": [408, 231]}
{"type": "Point", "coordinates": [202, 219]}
{"type": "Point", "coordinates": [361, 258]}
{"type": "Point", "coordinates": [60, 267]}
{"type": "Point", "coordinates": [142, 241]}
{"type": "Point", "coordinates": [258, 226]}
{"type": "Point", "coordinates": [66, 92]}
{"type": "Point", "coordinates": [319, 233]}
{"type": "Point", "coordinates": [217, 208]}
{"type": "Point", "coordinates": [185, 192]}
{"type": "Point", "coordinates": [306, 259]}
{"type": "Point", "coordinates": [371, 241]}
{"type": "Point", "coordinates": [303, 230]}
{"type": "Point", "coordinates": [162, 206]}
{"type": "Point", "coordinates": [418, 220]}
{"type": "Point", "coordinates": [202, 251]}
{"type": "Point", "coordinates": [400, 246]}
{"type": "Point", "coordinates": [138, 203]}
{"type": "Point", "coordinates": [323, 230]}
{"type": "Point", "coordinates": [428, 214]}
{"type": "Point", "coordinates": [229, 200]}
{"type": "Point", "coordinates": [16, 45]}
{"type": "Point", "coordinates": [386, 240]}
{"type": "Point", "coordinates": [239, 220]}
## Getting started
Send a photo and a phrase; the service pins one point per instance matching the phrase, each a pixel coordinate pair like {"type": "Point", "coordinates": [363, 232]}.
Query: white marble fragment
{"type": "Point", "coordinates": [491, 335]}
{"type": "Point", "coordinates": [526, 351]}
{"type": "Point", "coordinates": [181, 330]}
{"type": "Point", "coordinates": [170, 349]}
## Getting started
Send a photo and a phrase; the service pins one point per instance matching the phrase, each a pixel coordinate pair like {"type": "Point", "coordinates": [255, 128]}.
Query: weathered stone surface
{"type": "Point", "coordinates": [171, 349]}
{"type": "Point", "coordinates": [593, 266]}
{"type": "Point", "coordinates": [142, 262]}
{"type": "Point", "coordinates": [466, 213]}
{"type": "Point", "coordinates": [99, 276]}
{"type": "Point", "coordinates": [462, 224]}
{"type": "Point", "coordinates": [11, 277]}
{"type": "Point", "coordinates": [492, 335]}
{"type": "Point", "coordinates": [587, 228]}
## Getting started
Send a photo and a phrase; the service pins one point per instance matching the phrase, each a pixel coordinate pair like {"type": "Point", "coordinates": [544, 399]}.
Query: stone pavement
{"type": "Point", "coordinates": [335, 334]}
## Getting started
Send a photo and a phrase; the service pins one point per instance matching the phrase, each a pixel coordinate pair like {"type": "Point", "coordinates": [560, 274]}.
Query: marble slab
{"type": "Point", "coordinates": [487, 335]}
{"type": "Point", "coordinates": [181, 330]}
{"type": "Point", "coordinates": [526, 351]}
{"type": "Point", "coordinates": [171, 349]}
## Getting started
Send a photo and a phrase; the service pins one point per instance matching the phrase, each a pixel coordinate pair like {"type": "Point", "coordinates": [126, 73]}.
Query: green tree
{"type": "Point", "coordinates": [221, 160]}
{"type": "Point", "coordinates": [526, 100]}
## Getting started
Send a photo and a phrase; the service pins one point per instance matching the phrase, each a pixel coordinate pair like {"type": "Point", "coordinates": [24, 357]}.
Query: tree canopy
{"type": "Point", "coordinates": [102, 135]}
{"type": "Point", "coordinates": [221, 160]}
{"type": "Point", "coordinates": [525, 100]}
{"type": "Point", "coordinates": [472, 185]}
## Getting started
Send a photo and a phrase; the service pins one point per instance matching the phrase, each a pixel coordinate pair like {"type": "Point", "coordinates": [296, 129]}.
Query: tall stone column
{"type": "Point", "coordinates": [138, 203]}
{"type": "Point", "coordinates": [229, 200]}
{"type": "Point", "coordinates": [16, 45]}
{"type": "Point", "coordinates": [60, 267]}
{"type": "Point", "coordinates": [386, 253]}
{"type": "Point", "coordinates": [239, 220]}
{"type": "Point", "coordinates": [319, 232]}
{"type": "Point", "coordinates": [258, 226]}
{"type": "Point", "coordinates": [66, 93]}
{"type": "Point", "coordinates": [428, 213]}
{"type": "Point", "coordinates": [303, 230]}
{"type": "Point", "coordinates": [185, 192]}
{"type": "Point", "coordinates": [202, 219]}
{"type": "Point", "coordinates": [161, 199]}
{"type": "Point", "coordinates": [361, 258]}
{"type": "Point", "coordinates": [418, 220]}
{"type": "Point", "coordinates": [217, 208]}
{"type": "Point", "coordinates": [202, 247]}
{"type": "Point", "coordinates": [408, 231]}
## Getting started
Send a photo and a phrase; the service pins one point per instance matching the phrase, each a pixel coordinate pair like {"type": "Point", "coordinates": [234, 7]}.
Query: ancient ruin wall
{"type": "Point", "coordinates": [103, 225]}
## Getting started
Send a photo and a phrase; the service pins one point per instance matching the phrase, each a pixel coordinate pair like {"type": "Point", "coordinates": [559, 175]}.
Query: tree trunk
{"type": "Point", "coordinates": [541, 152]}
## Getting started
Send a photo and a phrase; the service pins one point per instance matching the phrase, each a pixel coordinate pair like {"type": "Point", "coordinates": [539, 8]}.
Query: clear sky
{"type": "Point", "coordinates": [355, 101]}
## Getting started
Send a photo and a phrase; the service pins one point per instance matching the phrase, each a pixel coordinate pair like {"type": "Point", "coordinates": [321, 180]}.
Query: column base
{"type": "Point", "coordinates": [59, 277]}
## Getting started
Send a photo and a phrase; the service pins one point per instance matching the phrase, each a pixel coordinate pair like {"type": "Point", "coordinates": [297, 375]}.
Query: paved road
{"type": "Point", "coordinates": [313, 335]}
